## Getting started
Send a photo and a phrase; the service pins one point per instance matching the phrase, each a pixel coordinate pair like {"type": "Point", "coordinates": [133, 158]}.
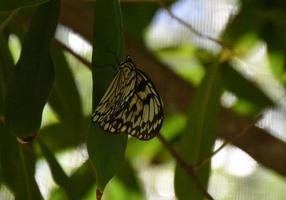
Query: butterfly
{"type": "Point", "coordinates": [130, 105]}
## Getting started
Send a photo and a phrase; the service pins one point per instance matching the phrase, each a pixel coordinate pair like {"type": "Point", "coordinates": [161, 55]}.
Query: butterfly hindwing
{"type": "Point", "coordinates": [130, 105]}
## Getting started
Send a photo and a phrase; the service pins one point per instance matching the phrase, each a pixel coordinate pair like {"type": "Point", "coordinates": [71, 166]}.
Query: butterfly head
{"type": "Point", "coordinates": [128, 59]}
{"type": "Point", "coordinates": [127, 63]}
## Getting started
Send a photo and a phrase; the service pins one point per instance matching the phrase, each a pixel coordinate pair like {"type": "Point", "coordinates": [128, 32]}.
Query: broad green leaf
{"type": "Point", "coordinates": [18, 166]}
{"type": "Point", "coordinates": [61, 136]}
{"type": "Point", "coordinates": [65, 99]}
{"type": "Point", "coordinates": [137, 18]}
{"type": "Point", "coordinates": [33, 75]}
{"type": "Point", "coordinates": [244, 88]}
{"type": "Point", "coordinates": [105, 150]}
{"type": "Point", "coordinates": [200, 133]}
{"type": "Point", "coordinates": [58, 173]}
{"type": "Point", "coordinates": [127, 175]}
{"type": "Point", "coordinates": [14, 4]}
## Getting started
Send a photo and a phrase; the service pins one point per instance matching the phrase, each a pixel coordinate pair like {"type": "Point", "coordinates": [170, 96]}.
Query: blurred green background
{"type": "Point", "coordinates": [250, 81]}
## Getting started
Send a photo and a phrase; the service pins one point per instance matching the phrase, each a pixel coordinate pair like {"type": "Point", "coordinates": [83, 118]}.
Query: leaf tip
{"type": "Point", "coordinates": [99, 193]}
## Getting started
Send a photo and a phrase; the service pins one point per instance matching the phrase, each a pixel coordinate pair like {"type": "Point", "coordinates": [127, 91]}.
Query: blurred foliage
{"type": "Point", "coordinates": [41, 78]}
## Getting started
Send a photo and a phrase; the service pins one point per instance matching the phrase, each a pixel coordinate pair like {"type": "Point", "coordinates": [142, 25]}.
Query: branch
{"type": "Point", "coordinates": [188, 168]}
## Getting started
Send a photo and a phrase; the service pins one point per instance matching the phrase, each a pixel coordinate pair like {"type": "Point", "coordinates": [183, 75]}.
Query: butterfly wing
{"type": "Point", "coordinates": [142, 117]}
{"type": "Point", "coordinates": [115, 98]}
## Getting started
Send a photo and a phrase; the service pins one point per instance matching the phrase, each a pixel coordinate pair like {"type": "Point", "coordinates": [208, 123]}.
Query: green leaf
{"type": "Point", "coordinates": [61, 136]}
{"type": "Point", "coordinates": [58, 173]}
{"type": "Point", "coordinates": [137, 18]}
{"type": "Point", "coordinates": [106, 151]}
{"type": "Point", "coordinates": [127, 175]}
{"type": "Point", "coordinates": [33, 76]}
{"type": "Point", "coordinates": [200, 133]}
{"type": "Point", "coordinates": [277, 62]}
{"type": "Point", "coordinates": [18, 166]}
{"type": "Point", "coordinates": [245, 19]}
{"type": "Point", "coordinates": [65, 99]}
{"type": "Point", "coordinates": [14, 4]}
{"type": "Point", "coordinates": [244, 88]}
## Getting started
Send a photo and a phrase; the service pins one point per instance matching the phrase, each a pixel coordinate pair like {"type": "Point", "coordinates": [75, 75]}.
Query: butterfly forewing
{"type": "Point", "coordinates": [130, 105]}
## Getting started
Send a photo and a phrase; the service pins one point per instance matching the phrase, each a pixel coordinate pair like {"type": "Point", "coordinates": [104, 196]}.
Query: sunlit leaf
{"type": "Point", "coordinates": [200, 133]}
{"type": "Point", "coordinates": [244, 88]}
{"type": "Point", "coordinates": [33, 76]}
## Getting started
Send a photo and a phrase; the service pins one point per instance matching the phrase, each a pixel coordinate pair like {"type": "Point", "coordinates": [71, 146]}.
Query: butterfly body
{"type": "Point", "coordinates": [130, 105]}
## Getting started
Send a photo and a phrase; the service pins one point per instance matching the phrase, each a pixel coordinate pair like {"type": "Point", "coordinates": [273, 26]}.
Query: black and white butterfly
{"type": "Point", "coordinates": [130, 105]}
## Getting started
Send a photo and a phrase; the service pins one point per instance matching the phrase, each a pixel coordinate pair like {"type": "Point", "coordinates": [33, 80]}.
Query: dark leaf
{"type": "Point", "coordinates": [33, 76]}
{"type": "Point", "coordinates": [18, 166]}
{"type": "Point", "coordinates": [65, 98]}
{"type": "Point", "coordinates": [61, 136]}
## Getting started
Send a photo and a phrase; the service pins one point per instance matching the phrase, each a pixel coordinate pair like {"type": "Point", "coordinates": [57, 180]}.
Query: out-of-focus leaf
{"type": "Point", "coordinates": [6, 67]}
{"type": "Point", "coordinates": [117, 190]}
{"type": "Point", "coordinates": [14, 4]}
{"type": "Point", "coordinates": [65, 98]}
{"type": "Point", "coordinates": [277, 62]}
{"type": "Point", "coordinates": [152, 151]}
{"type": "Point", "coordinates": [106, 151]}
{"type": "Point", "coordinates": [244, 19]}
{"type": "Point", "coordinates": [137, 18]}
{"type": "Point", "coordinates": [18, 166]}
{"type": "Point", "coordinates": [58, 173]}
{"type": "Point", "coordinates": [127, 176]}
{"type": "Point", "coordinates": [33, 76]}
{"type": "Point", "coordinates": [245, 108]}
{"type": "Point", "coordinates": [61, 136]}
{"type": "Point", "coordinates": [200, 133]}
{"type": "Point", "coordinates": [83, 180]}
{"type": "Point", "coordinates": [243, 88]}
{"type": "Point", "coordinates": [107, 154]}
